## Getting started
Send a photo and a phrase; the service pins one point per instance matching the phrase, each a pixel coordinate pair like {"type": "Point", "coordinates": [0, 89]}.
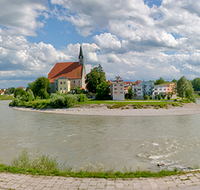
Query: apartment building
{"type": "Point", "coordinates": [117, 88]}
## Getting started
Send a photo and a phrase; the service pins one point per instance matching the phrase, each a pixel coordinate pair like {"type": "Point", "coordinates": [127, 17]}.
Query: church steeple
{"type": "Point", "coordinates": [81, 57]}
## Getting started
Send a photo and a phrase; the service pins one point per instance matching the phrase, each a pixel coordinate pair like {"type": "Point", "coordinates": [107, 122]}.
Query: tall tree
{"type": "Point", "coordinates": [184, 88]}
{"type": "Point", "coordinates": [196, 84]}
{"type": "Point", "coordinates": [103, 91]}
{"type": "Point", "coordinates": [175, 81]}
{"type": "Point", "coordinates": [159, 81]}
{"type": "Point", "coordinates": [94, 78]}
{"type": "Point", "coordinates": [40, 87]}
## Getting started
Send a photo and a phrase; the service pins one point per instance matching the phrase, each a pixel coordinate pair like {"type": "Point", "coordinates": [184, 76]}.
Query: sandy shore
{"type": "Point", "coordinates": [186, 109]}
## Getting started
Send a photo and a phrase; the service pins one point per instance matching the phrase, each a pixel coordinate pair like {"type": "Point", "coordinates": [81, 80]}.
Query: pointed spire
{"type": "Point", "coordinates": [81, 53]}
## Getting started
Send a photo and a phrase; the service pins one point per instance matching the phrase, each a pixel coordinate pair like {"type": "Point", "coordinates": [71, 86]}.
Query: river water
{"type": "Point", "coordinates": [113, 141]}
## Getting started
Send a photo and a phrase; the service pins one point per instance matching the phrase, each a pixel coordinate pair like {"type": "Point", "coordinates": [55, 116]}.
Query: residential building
{"type": "Point", "coordinates": [127, 85]}
{"type": "Point", "coordinates": [160, 89]}
{"type": "Point", "coordinates": [117, 89]}
{"type": "Point", "coordinates": [137, 91]}
{"type": "Point", "coordinates": [165, 88]}
{"type": "Point", "coordinates": [147, 87]}
{"type": "Point", "coordinates": [61, 85]}
{"type": "Point", "coordinates": [75, 72]}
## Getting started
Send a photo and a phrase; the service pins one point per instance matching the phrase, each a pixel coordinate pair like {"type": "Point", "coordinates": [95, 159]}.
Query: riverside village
{"type": "Point", "coordinates": [110, 134]}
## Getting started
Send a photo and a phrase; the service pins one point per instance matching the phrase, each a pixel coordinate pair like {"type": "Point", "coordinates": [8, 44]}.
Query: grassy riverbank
{"type": "Point", "coordinates": [59, 103]}
{"type": "Point", "coordinates": [5, 97]}
{"type": "Point", "coordinates": [45, 165]}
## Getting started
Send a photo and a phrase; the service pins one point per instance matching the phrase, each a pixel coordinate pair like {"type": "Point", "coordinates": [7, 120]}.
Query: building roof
{"type": "Point", "coordinates": [70, 70]}
{"type": "Point", "coordinates": [117, 79]}
{"type": "Point", "coordinates": [129, 83]}
{"type": "Point", "coordinates": [81, 53]}
{"type": "Point", "coordinates": [138, 82]}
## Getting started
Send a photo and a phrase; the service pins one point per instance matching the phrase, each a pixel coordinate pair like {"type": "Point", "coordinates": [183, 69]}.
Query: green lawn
{"type": "Point", "coordinates": [124, 103]}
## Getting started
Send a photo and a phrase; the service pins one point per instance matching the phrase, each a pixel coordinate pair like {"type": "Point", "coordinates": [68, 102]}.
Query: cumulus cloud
{"type": "Point", "coordinates": [20, 17]}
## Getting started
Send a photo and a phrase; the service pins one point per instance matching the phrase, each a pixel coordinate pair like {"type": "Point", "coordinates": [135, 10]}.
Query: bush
{"type": "Point", "coordinates": [70, 100]}
{"type": "Point", "coordinates": [15, 102]}
{"type": "Point", "coordinates": [146, 97]}
{"type": "Point", "coordinates": [159, 97]}
{"type": "Point", "coordinates": [150, 98]}
{"type": "Point", "coordinates": [82, 98]}
{"type": "Point", "coordinates": [57, 101]}
{"type": "Point", "coordinates": [168, 97]}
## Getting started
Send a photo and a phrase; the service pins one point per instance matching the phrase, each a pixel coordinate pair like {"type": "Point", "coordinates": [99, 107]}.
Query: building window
{"type": "Point", "coordinates": [115, 85]}
{"type": "Point", "coordinates": [60, 88]}
{"type": "Point", "coordinates": [164, 89]}
{"type": "Point", "coordinates": [64, 82]}
{"type": "Point", "coordinates": [64, 88]}
{"type": "Point", "coordinates": [115, 88]}
{"type": "Point", "coordinates": [120, 84]}
{"type": "Point", "coordinates": [121, 92]}
{"type": "Point", "coordinates": [60, 82]}
{"type": "Point", "coordinates": [121, 88]}
{"type": "Point", "coordinates": [155, 88]}
{"type": "Point", "coordinates": [115, 92]}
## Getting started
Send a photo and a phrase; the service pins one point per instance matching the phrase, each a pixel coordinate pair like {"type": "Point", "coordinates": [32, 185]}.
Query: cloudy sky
{"type": "Point", "coordinates": [136, 39]}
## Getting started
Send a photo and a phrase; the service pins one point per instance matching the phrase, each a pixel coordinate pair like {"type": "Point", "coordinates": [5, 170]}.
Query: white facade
{"type": "Point", "coordinates": [117, 89]}
{"type": "Point", "coordinates": [137, 91]}
{"type": "Point", "coordinates": [159, 89]}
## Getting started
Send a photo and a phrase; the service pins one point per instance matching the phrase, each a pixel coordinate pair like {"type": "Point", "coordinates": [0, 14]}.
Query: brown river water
{"type": "Point", "coordinates": [114, 142]}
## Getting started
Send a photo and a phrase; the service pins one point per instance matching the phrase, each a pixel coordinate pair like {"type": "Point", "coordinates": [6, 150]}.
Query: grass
{"type": "Point", "coordinates": [40, 164]}
{"type": "Point", "coordinates": [4, 97]}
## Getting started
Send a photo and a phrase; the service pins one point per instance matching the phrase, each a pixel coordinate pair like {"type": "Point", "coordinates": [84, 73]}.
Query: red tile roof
{"type": "Point", "coordinates": [129, 82]}
{"type": "Point", "coordinates": [70, 70]}
{"type": "Point", "coordinates": [138, 82]}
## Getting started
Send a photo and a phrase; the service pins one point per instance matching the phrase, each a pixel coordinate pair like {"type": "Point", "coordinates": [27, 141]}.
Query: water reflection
{"type": "Point", "coordinates": [112, 141]}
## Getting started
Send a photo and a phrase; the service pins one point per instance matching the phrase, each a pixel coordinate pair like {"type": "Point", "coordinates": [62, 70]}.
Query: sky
{"type": "Point", "coordinates": [135, 39]}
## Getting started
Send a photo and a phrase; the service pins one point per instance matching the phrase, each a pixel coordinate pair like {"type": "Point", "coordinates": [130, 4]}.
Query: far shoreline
{"type": "Point", "coordinates": [186, 109]}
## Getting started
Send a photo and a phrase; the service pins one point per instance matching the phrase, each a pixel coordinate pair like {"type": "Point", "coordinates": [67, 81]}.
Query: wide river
{"type": "Point", "coordinates": [113, 141]}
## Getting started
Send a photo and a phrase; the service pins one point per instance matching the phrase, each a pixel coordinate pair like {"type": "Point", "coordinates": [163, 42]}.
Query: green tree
{"type": "Point", "coordinates": [40, 87]}
{"type": "Point", "coordinates": [196, 84]}
{"type": "Point", "coordinates": [94, 78]}
{"type": "Point", "coordinates": [19, 92]}
{"type": "Point", "coordinates": [159, 81]}
{"type": "Point", "coordinates": [175, 81]}
{"type": "Point", "coordinates": [11, 90]}
{"type": "Point", "coordinates": [130, 92]}
{"type": "Point", "coordinates": [184, 88]}
{"type": "Point", "coordinates": [103, 90]}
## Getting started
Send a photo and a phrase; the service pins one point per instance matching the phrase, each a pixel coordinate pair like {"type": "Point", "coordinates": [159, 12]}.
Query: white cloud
{"type": "Point", "coordinates": [20, 17]}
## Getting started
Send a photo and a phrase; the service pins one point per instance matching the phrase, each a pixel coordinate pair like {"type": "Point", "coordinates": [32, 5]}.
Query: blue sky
{"type": "Point", "coordinates": [136, 39]}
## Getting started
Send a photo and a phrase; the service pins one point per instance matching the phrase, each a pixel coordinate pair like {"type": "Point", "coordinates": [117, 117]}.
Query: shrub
{"type": "Point", "coordinates": [57, 101]}
{"type": "Point", "coordinates": [159, 97]}
{"type": "Point", "coordinates": [168, 97]}
{"type": "Point", "coordinates": [150, 98]}
{"type": "Point", "coordinates": [15, 102]}
{"type": "Point", "coordinates": [82, 98]}
{"type": "Point", "coordinates": [146, 97]}
{"type": "Point", "coordinates": [70, 100]}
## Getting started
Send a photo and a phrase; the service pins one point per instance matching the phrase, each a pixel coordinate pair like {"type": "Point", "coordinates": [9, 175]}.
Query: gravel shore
{"type": "Point", "coordinates": [186, 109]}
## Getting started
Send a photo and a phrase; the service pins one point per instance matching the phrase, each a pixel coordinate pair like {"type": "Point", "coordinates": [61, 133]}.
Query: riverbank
{"type": "Point", "coordinates": [102, 110]}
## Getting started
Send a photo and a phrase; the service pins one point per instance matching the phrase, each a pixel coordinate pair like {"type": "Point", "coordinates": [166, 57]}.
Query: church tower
{"type": "Point", "coordinates": [81, 57]}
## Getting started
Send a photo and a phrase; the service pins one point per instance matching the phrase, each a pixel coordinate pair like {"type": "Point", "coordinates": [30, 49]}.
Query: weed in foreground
{"type": "Point", "coordinates": [41, 164]}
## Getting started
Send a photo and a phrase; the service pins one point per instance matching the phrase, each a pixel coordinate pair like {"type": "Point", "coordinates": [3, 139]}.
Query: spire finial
{"type": "Point", "coordinates": [81, 53]}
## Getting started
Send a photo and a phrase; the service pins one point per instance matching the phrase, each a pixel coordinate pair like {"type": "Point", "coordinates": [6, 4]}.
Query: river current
{"type": "Point", "coordinates": [114, 142]}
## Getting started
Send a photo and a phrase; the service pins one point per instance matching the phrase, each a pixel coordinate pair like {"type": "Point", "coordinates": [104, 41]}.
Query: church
{"type": "Point", "coordinates": [66, 75]}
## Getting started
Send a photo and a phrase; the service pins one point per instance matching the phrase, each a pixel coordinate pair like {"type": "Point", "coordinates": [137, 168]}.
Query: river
{"type": "Point", "coordinates": [113, 141]}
